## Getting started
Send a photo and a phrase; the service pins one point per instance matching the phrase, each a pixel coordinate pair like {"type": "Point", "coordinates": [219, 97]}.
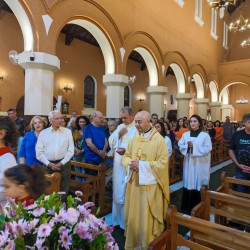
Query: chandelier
{"type": "Point", "coordinates": [242, 100]}
{"type": "Point", "coordinates": [241, 24]}
{"type": "Point", "coordinates": [246, 43]}
{"type": "Point", "coordinates": [221, 3]}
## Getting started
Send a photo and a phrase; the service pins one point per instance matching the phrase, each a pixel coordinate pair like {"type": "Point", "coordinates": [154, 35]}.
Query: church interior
{"type": "Point", "coordinates": [173, 57]}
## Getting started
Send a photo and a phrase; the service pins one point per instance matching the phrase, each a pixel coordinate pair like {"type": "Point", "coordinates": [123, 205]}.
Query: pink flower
{"type": "Point", "coordinates": [82, 209]}
{"type": "Point", "coordinates": [32, 224]}
{"type": "Point", "coordinates": [44, 230]}
{"type": "Point", "coordinates": [38, 211]}
{"type": "Point", "coordinates": [65, 239]}
{"type": "Point", "coordinates": [72, 216]}
{"type": "Point", "coordinates": [4, 235]}
{"type": "Point", "coordinates": [39, 242]}
{"type": "Point", "coordinates": [61, 216]}
{"type": "Point", "coordinates": [78, 193]}
{"type": "Point", "coordinates": [88, 204]}
{"type": "Point", "coordinates": [82, 231]}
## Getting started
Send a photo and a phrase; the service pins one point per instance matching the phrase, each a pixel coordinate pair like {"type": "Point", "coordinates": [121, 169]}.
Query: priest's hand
{"type": "Point", "coordinates": [134, 165]}
{"type": "Point", "coordinates": [190, 144]}
{"type": "Point", "coordinates": [122, 132]}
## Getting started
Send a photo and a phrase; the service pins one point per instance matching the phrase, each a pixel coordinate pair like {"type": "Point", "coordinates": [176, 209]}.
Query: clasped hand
{"type": "Point", "coordinates": [56, 166]}
{"type": "Point", "coordinates": [134, 165]}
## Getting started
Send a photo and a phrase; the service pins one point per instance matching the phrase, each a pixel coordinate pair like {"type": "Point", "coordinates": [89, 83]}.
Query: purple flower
{"type": "Point", "coordinates": [4, 235]}
{"type": "Point", "coordinates": [11, 245]}
{"type": "Point", "coordinates": [88, 204]}
{"type": "Point", "coordinates": [38, 211]}
{"type": "Point", "coordinates": [78, 193]}
{"type": "Point", "coordinates": [39, 242]}
{"type": "Point", "coordinates": [72, 216]}
{"type": "Point", "coordinates": [30, 207]}
{"type": "Point", "coordinates": [44, 230]}
{"type": "Point", "coordinates": [82, 209]}
{"type": "Point", "coordinates": [82, 230]}
{"type": "Point", "coordinates": [32, 224]}
{"type": "Point", "coordinates": [65, 239]}
{"type": "Point", "coordinates": [19, 228]}
{"type": "Point", "coordinates": [61, 216]}
{"type": "Point", "coordinates": [62, 193]}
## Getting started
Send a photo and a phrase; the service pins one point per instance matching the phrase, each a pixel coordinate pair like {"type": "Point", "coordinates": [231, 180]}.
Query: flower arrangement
{"type": "Point", "coordinates": [52, 224]}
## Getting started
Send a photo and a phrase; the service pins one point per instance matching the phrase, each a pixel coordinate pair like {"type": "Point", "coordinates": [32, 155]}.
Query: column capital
{"type": "Point", "coordinates": [227, 106]}
{"type": "Point", "coordinates": [157, 90]}
{"type": "Point", "coordinates": [38, 60]}
{"type": "Point", "coordinates": [202, 101]}
{"type": "Point", "coordinates": [215, 104]}
{"type": "Point", "coordinates": [115, 80]}
{"type": "Point", "coordinates": [183, 96]}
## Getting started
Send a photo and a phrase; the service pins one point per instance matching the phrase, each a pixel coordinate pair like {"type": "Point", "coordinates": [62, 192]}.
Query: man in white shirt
{"type": "Point", "coordinates": [55, 148]}
{"type": "Point", "coordinates": [118, 142]}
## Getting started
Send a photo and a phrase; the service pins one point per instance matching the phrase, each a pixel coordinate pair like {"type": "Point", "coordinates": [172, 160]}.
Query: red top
{"type": "Point", "coordinates": [28, 201]}
{"type": "Point", "coordinates": [5, 150]}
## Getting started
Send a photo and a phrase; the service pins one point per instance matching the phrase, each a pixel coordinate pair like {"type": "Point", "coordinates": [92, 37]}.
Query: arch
{"type": "Point", "coordinates": [226, 80]}
{"type": "Point", "coordinates": [200, 77]}
{"type": "Point", "coordinates": [148, 48]}
{"type": "Point", "coordinates": [96, 20]}
{"type": "Point", "coordinates": [224, 96]}
{"type": "Point", "coordinates": [90, 90]}
{"type": "Point", "coordinates": [225, 89]}
{"type": "Point", "coordinates": [179, 64]}
{"type": "Point", "coordinates": [24, 23]}
{"type": "Point", "coordinates": [214, 91]}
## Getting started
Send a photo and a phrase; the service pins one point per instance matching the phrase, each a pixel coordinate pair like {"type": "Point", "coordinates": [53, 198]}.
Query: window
{"type": "Point", "coordinates": [126, 96]}
{"type": "Point", "coordinates": [180, 3]}
{"type": "Point", "coordinates": [214, 24]}
{"type": "Point", "coordinates": [225, 36]}
{"type": "Point", "coordinates": [89, 92]}
{"type": "Point", "coordinates": [198, 12]}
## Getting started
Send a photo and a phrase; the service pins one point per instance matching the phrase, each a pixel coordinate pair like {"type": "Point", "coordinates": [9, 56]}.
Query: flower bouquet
{"type": "Point", "coordinates": [51, 224]}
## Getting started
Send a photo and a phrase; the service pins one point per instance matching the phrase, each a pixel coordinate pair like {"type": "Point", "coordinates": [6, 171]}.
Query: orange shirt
{"type": "Point", "coordinates": [178, 134]}
{"type": "Point", "coordinates": [218, 130]}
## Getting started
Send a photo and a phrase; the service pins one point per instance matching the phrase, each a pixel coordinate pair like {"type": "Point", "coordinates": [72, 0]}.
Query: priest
{"type": "Point", "coordinates": [147, 190]}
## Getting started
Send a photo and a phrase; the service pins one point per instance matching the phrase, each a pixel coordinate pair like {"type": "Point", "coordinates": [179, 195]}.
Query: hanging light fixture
{"type": "Point", "coordinates": [221, 3]}
{"type": "Point", "coordinates": [246, 43]}
{"type": "Point", "coordinates": [240, 25]}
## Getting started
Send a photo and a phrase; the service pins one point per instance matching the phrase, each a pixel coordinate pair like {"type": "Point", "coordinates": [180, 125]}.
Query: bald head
{"type": "Point", "coordinates": [142, 121]}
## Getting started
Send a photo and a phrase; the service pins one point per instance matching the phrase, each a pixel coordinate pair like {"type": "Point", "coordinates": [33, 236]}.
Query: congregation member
{"type": "Point", "coordinates": [154, 119]}
{"type": "Point", "coordinates": [8, 139]}
{"type": "Point", "coordinates": [180, 129]}
{"type": "Point", "coordinates": [112, 125]}
{"type": "Point", "coordinates": [19, 122]}
{"type": "Point", "coordinates": [240, 126]}
{"type": "Point", "coordinates": [211, 131]}
{"type": "Point", "coordinates": [55, 148]}
{"type": "Point", "coordinates": [161, 129]}
{"type": "Point", "coordinates": [169, 132]}
{"type": "Point", "coordinates": [239, 151]}
{"type": "Point", "coordinates": [147, 190]}
{"type": "Point", "coordinates": [228, 129]}
{"type": "Point", "coordinates": [27, 152]}
{"type": "Point", "coordinates": [218, 131]}
{"type": "Point", "coordinates": [118, 142]}
{"type": "Point", "coordinates": [72, 124]}
{"type": "Point", "coordinates": [95, 144]}
{"type": "Point", "coordinates": [196, 146]}
{"type": "Point", "coordinates": [81, 123]}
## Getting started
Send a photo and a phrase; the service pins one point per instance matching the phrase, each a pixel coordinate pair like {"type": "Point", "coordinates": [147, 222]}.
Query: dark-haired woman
{"type": "Point", "coordinates": [195, 145]}
{"type": "Point", "coordinates": [8, 138]}
{"type": "Point", "coordinates": [218, 131]}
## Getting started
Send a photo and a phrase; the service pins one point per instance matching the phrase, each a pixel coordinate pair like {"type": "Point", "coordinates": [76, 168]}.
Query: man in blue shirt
{"type": "Point", "coordinates": [95, 144]}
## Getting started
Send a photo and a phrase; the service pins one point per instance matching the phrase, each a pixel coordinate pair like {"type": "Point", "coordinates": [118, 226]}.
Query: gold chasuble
{"type": "Point", "coordinates": [146, 205]}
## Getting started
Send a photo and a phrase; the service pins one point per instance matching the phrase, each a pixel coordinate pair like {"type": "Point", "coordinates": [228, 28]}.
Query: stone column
{"type": "Point", "coordinates": [183, 104]}
{"type": "Point", "coordinates": [215, 111]}
{"type": "Point", "coordinates": [226, 111]}
{"type": "Point", "coordinates": [115, 94]}
{"type": "Point", "coordinates": [202, 105]}
{"type": "Point", "coordinates": [156, 99]}
{"type": "Point", "coordinates": [39, 81]}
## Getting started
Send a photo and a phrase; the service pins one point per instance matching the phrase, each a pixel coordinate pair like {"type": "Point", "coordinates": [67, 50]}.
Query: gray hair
{"type": "Point", "coordinates": [112, 122]}
{"type": "Point", "coordinates": [127, 109]}
{"type": "Point", "coordinates": [246, 117]}
{"type": "Point", "coordinates": [51, 114]}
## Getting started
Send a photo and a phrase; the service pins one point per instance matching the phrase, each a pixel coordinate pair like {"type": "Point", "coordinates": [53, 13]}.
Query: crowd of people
{"type": "Point", "coordinates": [140, 144]}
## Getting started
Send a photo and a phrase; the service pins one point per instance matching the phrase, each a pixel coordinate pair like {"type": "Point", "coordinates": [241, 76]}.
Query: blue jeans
{"type": "Point", "coordinates": [240, 175]}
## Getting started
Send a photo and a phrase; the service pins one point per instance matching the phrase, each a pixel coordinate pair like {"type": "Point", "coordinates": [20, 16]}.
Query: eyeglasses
{"type": "Point", "coordinates": [155, 118]}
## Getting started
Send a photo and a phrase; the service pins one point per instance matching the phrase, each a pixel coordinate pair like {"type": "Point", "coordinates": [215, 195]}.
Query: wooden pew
{"type": "Point", "coordinates": [206, 234]}
{"type": "Point", "coordinates": [225, 207]}
{"type": "Point", "coordinates": [228, 183]}
{"type": "Point", "coordinates": [93, 187]}
{"type": "Point", "coordinates": [53, 181]}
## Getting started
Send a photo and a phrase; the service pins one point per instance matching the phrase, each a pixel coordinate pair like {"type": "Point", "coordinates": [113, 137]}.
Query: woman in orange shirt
{"type": "Point", "coordinates": [219, 131]}
{"type": "Point", "coordinates": [179, 131]}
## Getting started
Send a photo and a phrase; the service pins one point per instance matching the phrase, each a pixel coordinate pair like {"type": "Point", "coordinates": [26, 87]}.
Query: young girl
{"type": "Point", "coordinates": [8, 139]}
{"type": "Point", "coordinates": [24, 183]}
